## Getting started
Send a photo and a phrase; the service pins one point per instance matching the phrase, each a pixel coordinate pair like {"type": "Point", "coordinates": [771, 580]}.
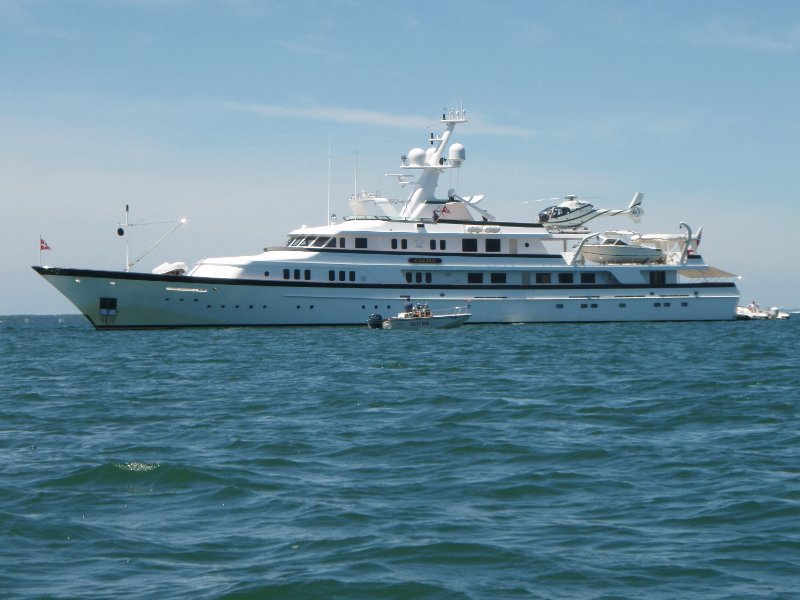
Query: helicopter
{"type": "Point", "coordinates": [572, 213]}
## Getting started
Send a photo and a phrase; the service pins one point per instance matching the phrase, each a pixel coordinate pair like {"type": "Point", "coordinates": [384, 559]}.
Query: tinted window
{"type": "Point", "coordinates": [493, 245]}
{"type": "Point", "coordinates": [361, 242]}
{"type": "Point", "coordinates": [469, 245]}
{"type": "Point", "coordinates": [474, 277]}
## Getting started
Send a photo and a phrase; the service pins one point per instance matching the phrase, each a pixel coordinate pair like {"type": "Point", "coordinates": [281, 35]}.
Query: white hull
{"type": "Point", "coordinates": [151, 301]}
{"type": "Point", "coordinates": [606, 254]}
{"type": "Point", "coordinates": [435, 322]}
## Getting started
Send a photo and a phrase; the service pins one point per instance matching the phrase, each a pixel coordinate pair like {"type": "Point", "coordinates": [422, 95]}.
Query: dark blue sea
{"type": "Point", "coordinates": [642, 460]}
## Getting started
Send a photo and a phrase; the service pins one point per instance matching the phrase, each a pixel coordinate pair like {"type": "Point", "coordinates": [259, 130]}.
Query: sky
{"type": "Point", "coordinates": [228, 112]}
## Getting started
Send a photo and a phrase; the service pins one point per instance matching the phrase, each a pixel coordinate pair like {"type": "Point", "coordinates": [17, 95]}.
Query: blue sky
{"type": "Point", "coordinates": [222, 112]}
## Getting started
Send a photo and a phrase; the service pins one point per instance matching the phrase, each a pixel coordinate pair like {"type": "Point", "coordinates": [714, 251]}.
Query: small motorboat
{"type": "Point", "coordinates": [419, 316]}
{"type": "Point", "coordinates": [615, 250]}
{"type": "Point", "coordinates": [754, 311]}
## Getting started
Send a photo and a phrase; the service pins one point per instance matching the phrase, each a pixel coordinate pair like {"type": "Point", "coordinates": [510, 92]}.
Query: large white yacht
{"type": "Point", "coordinates": [440, 251]}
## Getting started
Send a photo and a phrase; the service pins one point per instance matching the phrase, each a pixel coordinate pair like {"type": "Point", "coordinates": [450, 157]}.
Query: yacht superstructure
{"type": "Point", "coordinates": [440, 251]}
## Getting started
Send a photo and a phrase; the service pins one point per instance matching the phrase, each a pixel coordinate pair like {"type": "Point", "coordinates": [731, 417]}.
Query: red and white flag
{"type": "Point", "coordinates": [43, 245]}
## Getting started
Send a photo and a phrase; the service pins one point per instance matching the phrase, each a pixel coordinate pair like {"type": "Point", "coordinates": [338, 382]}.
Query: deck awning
{"type": "Point", "coordinates": [707, 273]}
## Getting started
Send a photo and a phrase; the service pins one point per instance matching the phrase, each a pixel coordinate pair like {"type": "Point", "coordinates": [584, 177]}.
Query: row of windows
{"type": "Point", "coordinates": [403, 244]}
{"type": "Point", "coordinates": [566, 277]}
{"type": "Point", "coordinates": [625, 305]}
{"type": "Point", "coordinates": [543, 278]}
{"type": "Point", "coordinates": [410, 277]}
{"type": "Point", "coordinates": [287, 273]}
{"type": "Point", "coordinates": [343, 275]}
{"type": "Point", "coordinates": [467, 244]}
{"type": "Point", "coordinates": [477, 278]}
{"type": "Point", "coordinates": [471, 244]}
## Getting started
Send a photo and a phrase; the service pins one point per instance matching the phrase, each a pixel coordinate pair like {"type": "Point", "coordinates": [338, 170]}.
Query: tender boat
{"type": "Point", "coordinates": [613, 249]}
{"type": "Point", "coordinates": [753, 311]}
{"type": "Point", "coordinates": [442, 250]}
{"type": "Point", "coordinates": [419, 316]}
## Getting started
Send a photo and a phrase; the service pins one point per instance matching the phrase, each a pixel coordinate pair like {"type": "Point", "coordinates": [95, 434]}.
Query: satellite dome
{"type": "Point", "coordinates": [457, 153]}
{"type": "Point", "coordinates": [416, 157]}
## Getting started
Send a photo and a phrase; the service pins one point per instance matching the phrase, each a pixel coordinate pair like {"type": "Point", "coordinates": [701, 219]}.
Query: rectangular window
{"type": "Point", "coordinates": [341, 242]}
{"type": "Point", "coordinates": [565, 278]}
{"type": "Point", "coordinates": [588, 278]}
{"type": "Point", "coordinates": [433, 244]}
{"type": "Point", "coordinates": [394, 244]}
{"type": "Point", "coordinates": [409, 277]}
{"type": "Point", "coordinates": [286, 273]}
{"type": "Point", "coordinates": [297, 273]}
{"type": "Point", "coordinates": [428, 277]}
{"type": "Point", "coordinates": [498, 278]}
{"type": "Point", "coordinates": [331, 275]}
{"type": "Point", "coordinates": [469, 245]}
{"type": "Point", "coordinates": [403, 244]}
{"type": "Point", "coordinates": [493, 245]}
{"type": "Point", "coordinates": [658, 277]}
{"type": "Point", "coordinates": [474, 277]}
{"type": "Point", "coordinates": [442, 244]}
{"type": "Point", "coordinates": [361, 242]}
{"type": "Point", "coordinates": [352, 275]}
{"type": "Point", "coordinates": [419, 277]}
{"type": "Point", "coordinates": [341, 275]}
{"type": "Point", "coordinates": [307, 274]}
{"type": "Point", "coordinates": [543, 278]}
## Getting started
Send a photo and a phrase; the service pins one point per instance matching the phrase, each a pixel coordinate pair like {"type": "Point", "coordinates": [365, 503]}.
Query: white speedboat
{"type": "Point", "coordinates": [419, 316]}
{"type": "Point", "coordinates": [439, 249]}
{"type": "Point", "coordinates": [753, 311]}
{"type": "Point", "coordinates": [616, 250]}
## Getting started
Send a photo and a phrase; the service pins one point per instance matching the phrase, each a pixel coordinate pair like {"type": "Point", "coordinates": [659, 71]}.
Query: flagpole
{"type": "Point", "coordinates": [40, 249]}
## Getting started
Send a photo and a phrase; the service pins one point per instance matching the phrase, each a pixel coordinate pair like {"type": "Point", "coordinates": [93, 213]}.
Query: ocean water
{"type": "Point", "coordinates": [646, 460]}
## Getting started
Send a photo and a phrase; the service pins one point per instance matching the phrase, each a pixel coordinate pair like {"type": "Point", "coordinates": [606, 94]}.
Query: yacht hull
{"type": "Point", "coordinates": [124, 300]}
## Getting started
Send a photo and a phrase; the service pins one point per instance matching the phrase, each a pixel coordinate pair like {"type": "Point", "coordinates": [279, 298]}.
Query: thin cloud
{"type": "Point", "coordinates": [724, 32]}
{"type": "Point", "coordinates": [349, 115]}
{"type": "Point", "coordinates": [312, 46]}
